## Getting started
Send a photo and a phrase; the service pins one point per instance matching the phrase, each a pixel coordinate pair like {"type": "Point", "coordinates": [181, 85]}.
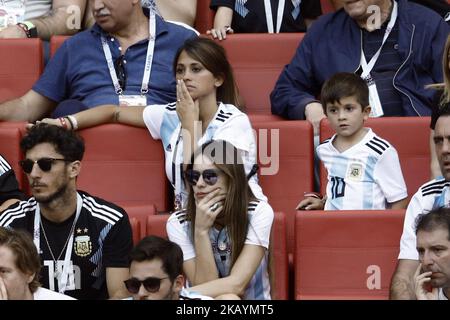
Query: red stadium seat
{"type": "Point", "coordinates": [346, 254]}
{"type": "Point", "coordinates": [257, 60]}
{"type": "Point", "coordinates": [292, 153]}
{"type": "Point", "coordinates": [20, 67]}
{"type": "Point", "coordinates": [123, 164]}
{"type": "Point", "coordinates": [55, 43]}
{"type": "Point", "coordinates": [327, 6]}
{"type": "Point", "coordinates": [10, 136]}
{"type": "Point", "coordinates": [204, 19]}
{"type": "Point", "coordinates": [156, 225]}
{"type": "Point", "coordinates": [136, 229]}
{"type": "Point", "coordinates": [279, 258]}
{"type": "Point", "coordinates": [140, 213]}
{"type": "Point", "coordinates": [410, 137]}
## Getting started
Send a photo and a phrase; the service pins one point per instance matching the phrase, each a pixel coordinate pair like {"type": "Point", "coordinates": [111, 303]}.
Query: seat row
{"type": "Point", "coordinates": [338, 254]}
{"type": "Point", "coordinates": [256, 65]}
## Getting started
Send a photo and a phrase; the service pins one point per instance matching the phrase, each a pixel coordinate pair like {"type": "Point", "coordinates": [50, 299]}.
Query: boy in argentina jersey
{"type": "Point", "coordinates": [83, 241]}
{"type": "Point", "coordinates": [363, 169]}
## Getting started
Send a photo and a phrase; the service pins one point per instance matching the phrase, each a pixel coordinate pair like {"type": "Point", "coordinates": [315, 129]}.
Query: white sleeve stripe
{"type": "Point", "coordinates": [24, 207]}
{"type": "Point", "coordinates": [102, 208]}
{"type": "Point", "coordinates": [102, 217]}
{"type": "Point", "coordinates": [101, 214]}
{"type": "Point", "coordinates": [5, 166]}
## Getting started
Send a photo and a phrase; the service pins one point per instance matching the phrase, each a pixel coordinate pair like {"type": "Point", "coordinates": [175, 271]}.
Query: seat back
{"type": "Point", "coordinates": [290, 146]}
{"type": "Point", "coordinates": [55, 43]}
{"type": "Point", "coordinates": [10, 136]}
{"type": "Point", "coordinates": [204, 18]}
{"type": "Point", "coordinates": [257, 60]}
{"type": "Point", "coordinates": [409, 136]}
{"type": "Point", "coordinates": [140, 212]}
{"type": "Point", "coordinates": [123, 164]}
{"type": "Point", "coordinates": [279, 258]}
{"type": "Point", "coordinates": [136, 230]}
{"type": "Point", "coordinates": [346, 254]}
{"type": "Point", "coordinates": [21, 65]}
{"type": "Point", "coordinates": [156, 225]}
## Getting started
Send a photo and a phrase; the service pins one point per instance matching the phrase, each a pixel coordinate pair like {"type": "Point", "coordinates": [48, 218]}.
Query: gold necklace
{"type": "Point", "coordinates": [56, 272]}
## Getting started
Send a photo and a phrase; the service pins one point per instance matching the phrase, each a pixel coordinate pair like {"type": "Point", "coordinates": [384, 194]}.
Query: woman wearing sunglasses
{"type": "Point", "coordinates": [224, 232]}
{"type": "Point", "coordinates": [205, 110]}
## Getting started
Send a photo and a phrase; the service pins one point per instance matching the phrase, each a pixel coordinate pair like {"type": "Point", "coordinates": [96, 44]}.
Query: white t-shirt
{"type": "Point", "coordinates": [45, 294]}
{"type": "Point", "coordinates": [33, 8]}
{"type": "Point", "coordinates": [260, 224]}
{"type": "Point", "coordinates": [431, 195]}
{"type": "Point", "coordinates": [229, 124]}
{"type": "Point", "coordinates": [364, 176]}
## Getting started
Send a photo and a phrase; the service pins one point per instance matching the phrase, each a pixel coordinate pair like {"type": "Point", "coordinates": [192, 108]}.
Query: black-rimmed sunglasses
{"type": "Point", "coordinates": [210, 176]}
{"type": "Point", "coordinates": [151, 284]}
{"type": "Point", "coordinates": [45, 164]}
{"type": "Point", "coordinates": [121, 71]}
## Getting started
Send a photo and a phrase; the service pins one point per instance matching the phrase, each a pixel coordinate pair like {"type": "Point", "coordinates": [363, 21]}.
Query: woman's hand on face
{"type": "Point", "coordinates": [208, 208]}
{"type": "Point", "coordinates": [3, 293]}
{"type": "Point", "coordinates": [187, 108]}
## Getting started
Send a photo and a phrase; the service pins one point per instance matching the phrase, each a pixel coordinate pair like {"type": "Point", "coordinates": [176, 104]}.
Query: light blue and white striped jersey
{"type": "Point", "coordinates": [260, 224]}
{"type": "Point", "coordinates": [365, 176]}
{"type": "Point", "coordinates": [431, 195]}
{"type": "Point", "coordinates": [229, 124]}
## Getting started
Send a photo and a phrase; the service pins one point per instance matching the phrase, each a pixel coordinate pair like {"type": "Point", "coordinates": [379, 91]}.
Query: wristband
{"type": "Point", "coordinates": [73, 121]}
{"type": "Point", "coordinates": [29, 28]}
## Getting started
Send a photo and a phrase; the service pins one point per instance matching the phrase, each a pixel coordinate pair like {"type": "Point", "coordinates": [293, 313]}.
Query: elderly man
{"type": "Point", "coordinates": [40, 18]}
{"type": "Point", "coordinates": [125, 59]}
{"type": "Point", "coordinates": [83, 241]}
{"type": "Point", "coordinates": [433, 245]}
{"type": "Point", "coordinates": [396, 46]}
{"type": "Point", "coordinates": [431, 195]}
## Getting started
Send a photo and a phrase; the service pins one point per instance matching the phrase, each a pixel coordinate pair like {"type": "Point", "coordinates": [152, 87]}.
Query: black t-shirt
{"type": "Point", "coordinates": [252, 18]}
{"type": "Point", "coordinates": [9, 187]}
{"type": "Point", "coordinates": [102, 239]}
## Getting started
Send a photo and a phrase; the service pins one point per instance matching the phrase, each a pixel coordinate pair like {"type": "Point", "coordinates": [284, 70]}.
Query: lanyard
{"type": "Point", "coordinates": [62, 282]}
{"type": "Point", "coordinates": [148, 60]}
{"type": "Point", "coordinates": [269, 18]}
{"type": "Point", "coordinates": [367, 67]}
{"type": "Point", "coordinates": [177, 162]}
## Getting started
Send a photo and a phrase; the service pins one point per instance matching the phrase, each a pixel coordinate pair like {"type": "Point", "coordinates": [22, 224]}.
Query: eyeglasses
{"type": "Point", "coordinates": [151, 284]}
{"type": "Point", "coordinates": [121, 71]}
{"type": "Point", "coordinates": [45, 164]}
{"type": "Point", "coordinates": [210, 176]}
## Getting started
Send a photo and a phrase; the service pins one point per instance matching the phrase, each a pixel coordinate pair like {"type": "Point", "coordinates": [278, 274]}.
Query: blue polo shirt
{"type": "Point", "coordinates": [79, 69]}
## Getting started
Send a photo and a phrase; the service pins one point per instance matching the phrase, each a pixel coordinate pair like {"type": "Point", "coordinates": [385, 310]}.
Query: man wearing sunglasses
{"type": "Point", "coordinates": [83, 241]}
{"type": "Point", "coordinates": [156, 272]}
{"type": "Point", "coordinates": [126, 58]}
{"type": "Point", "coordinates": [9, 187]}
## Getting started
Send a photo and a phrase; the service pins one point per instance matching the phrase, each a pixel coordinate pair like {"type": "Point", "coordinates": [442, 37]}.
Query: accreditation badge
{"type": "Point", "coordinates": [133, 100]}
{"type": "Point", "coordinates": [374, 101]}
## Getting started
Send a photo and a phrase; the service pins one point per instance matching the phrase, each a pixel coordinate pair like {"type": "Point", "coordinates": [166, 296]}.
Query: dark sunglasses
{"type": "Point", "coordinates": [121, 71]}
{"type": "Point", "coordinates": [151, 284]}
{"type": "Point", "coordinates": [45, 164]}
{"type": "Point", "coordinates": [210, 176]}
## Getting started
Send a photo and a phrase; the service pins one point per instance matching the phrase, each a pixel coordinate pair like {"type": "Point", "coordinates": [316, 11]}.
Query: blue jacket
{"type": "Point", "coordinates": [333, 44]}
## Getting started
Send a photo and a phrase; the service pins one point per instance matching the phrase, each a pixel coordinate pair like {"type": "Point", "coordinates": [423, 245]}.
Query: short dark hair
{"type": "Point", "coordinates": [153, 247]}
{"type": "Point", "coordinates": [435, 219]}
{"type": "Point", "coordinates": [443, 111]}
{"type": "Point", "coordinates": [342, 85]}
{"type": "Point", "coordinates": [66, 142]}
{"type": "Point", "coordinates": [27, 258]}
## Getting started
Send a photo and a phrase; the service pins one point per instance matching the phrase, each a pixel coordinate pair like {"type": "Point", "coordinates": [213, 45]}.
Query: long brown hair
{"type": "Point", "coordinates": [235, 211]}
{"type": "Point", "coordinates": [25, 253]}
{"type": "Point", "coordinates": [213, 57]}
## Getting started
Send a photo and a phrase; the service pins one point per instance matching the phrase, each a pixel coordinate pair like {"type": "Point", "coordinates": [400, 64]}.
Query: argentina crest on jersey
{"type": "Point", "coordinates": [355, 171]}
{"type": "Point", "coordinates": [83, 244]}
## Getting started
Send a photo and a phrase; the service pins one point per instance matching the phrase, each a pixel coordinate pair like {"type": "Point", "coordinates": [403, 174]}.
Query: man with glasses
{"type": "Point", "coordinates": [126, 58]}
{"type": "Point", "coordinates": [156, 272]}
{"type": "Point", "coordinates": [83, 240]}
{"type": "Point", "coordinates": [9, 187]}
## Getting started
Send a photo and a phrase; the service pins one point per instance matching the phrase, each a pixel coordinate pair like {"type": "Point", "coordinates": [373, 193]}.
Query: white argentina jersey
{"type": "Point", "coordinates": [365, 176]}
